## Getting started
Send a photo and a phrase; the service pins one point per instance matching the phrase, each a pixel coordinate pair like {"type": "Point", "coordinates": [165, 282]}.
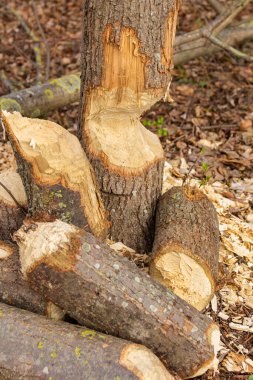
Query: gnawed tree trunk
{"type": "Point", "coordinates": [58, 178]}
{"type": "Point", "coordinates": [186, 246]}
{"type": "Point", "coordinates": [107, 292]}
{"type": "Point", "coordinates": [126, 68]}
{"type": "Point", "coordinates": [33, 347]}
{"type": "Point", "coordinates": [13, 203]}
{"type": "Point", "coordinates": [15, 291]}
{"type": "Point", "coordinates": [37, 100]}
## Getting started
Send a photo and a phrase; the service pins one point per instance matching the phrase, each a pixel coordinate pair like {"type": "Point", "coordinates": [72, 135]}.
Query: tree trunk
{"type": "Point", "coordinates": [33, 347]}
{"type": "Point", "coordinates": [15, 291]}
{"type": "Point", "coordinates": [107, 292]}
{"type": "Point", "coordinates": [126, 68]}
{"type": "Point", "coordinates": [58, 178]}
{"type": "Point", "coordinates": [13, 204]}
{"type": "Point", "coordinates": [186, 247]}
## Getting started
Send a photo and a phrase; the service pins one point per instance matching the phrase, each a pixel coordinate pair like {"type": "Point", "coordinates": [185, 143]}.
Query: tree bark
{"type": "Point", "coordinates": [186, 246]}
{"type": "Point", "coordinates": [126, 68]}
{"type": "Point", "coordinates": [35, 102]}
{"type": "Point", "coordinates": [15, 291]}
{"type": "Point", "coordinates": [33, 347]}
{"type": "Point", "coordinates": [57, 176]}
{"type": "Point", "coordinates": [13, 204]}
{"type": "Point", "coordinates": [107, 292]}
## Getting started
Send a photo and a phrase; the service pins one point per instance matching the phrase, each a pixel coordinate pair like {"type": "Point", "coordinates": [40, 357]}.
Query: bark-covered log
{"type": "Point", "coordinates": [126, 68]}
{"type": "Point", "coordinates": [36, 101]}
{"type": "Point", "coordinates": [13, 203]}
{"type": "Point", "coordinates": [58, 178]}
{"type": "Point", "coordinates": [186, 246]}
{"type": "Point", "coordinates": [34, 347]}
{"type": "Point", "coordinates": [107, 292]}
{"type": "Point", "coordinates": [15, 290]}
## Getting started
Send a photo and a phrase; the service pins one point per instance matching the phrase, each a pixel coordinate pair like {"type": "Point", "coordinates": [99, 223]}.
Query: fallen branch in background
{"type": "Point", "coordinates": [57, 93]}
{"type": "Point", "coordinates": [36, 40]}
{"type": "Point", "coordinates": [46, 45]}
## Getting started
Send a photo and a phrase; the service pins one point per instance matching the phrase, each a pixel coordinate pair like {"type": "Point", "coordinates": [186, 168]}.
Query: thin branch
{"type": "Point", "coordinates": [217, 5]}
{"type": "Point", "coordinates": [237, 53]}
{"type": "Point", "coordinates": [215, 26]}
{"type": "Point", "coordinates": [32, 35]}
{"type": "Point", "coordinates": [47, 47]}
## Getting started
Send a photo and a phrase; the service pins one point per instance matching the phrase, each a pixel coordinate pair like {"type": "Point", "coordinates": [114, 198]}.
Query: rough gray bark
{"type": "Point", "coordinates": [15, 291]}
{"type": "Point", "coordinates": [33, 347]}
{"type": "Point", "coordinates": [186, 223]}
{"type": "Point", "coordinates": [118, 84]}
{"type": "Point", "coordinates": [107, 292]}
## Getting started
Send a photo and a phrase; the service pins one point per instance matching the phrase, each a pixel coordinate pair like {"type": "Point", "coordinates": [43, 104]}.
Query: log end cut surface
{"type": "Point", "coordinates": [186, 247]}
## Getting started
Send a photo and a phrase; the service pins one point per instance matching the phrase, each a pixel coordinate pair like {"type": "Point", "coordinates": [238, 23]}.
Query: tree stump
{"type": "Point", "coordinates": [126, 68]}
{"type": "Point", "coordinates": [33, 347]}
{"type": "Point", "coordinates": [57, 176]}
{"type": "Point", "coordinates": [13, 204]}
{"type": "Point", "coordinates": [107, 292]}
{"type": "Point", "coordinates": [15, 291]}
{"type": "Point", "coordinates": [186, 246]}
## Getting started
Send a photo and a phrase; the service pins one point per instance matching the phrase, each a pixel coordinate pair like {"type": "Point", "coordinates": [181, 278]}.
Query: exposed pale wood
{"type": "Point", "coordinates": [33, 347]}
{"type": "Point", "coordinates": [186, 246]}
{"type": "Point", "coordinates": [13, 203]}
{"type": "Point", "coordinates": [15, 291]}
{"type": "Point", "coordinates": [107, 292]}
{"type": "Point", "coordinates": [126, 68]}
{"type": "Point", "coordinates": [57, 176]}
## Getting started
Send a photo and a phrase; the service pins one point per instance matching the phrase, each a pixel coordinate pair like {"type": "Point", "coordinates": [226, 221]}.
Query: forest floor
{"type": "Point", "coordinates": [207, 134]}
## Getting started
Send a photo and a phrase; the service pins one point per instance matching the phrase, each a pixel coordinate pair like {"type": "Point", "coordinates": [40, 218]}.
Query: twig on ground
{"type": "Point", "coordinates": [216, 26]}
{"type": "Point", "coordinates": [47, 47]}
{"type": "Point", "coordinates": [237, 53]}
{"type": "Point", "coordinates": [36, 45]}
{"type": "Point", "coordinates": [217, 5]}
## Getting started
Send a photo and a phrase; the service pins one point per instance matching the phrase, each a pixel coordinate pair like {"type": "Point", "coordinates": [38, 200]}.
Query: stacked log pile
{"type": "Point", "coordinates": [58, 262]}
{"type": "Point", "coordinates": [53, 259]}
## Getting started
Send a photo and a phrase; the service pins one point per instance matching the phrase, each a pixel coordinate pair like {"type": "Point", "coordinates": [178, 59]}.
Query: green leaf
{"type": "Point", "coordinates": [204, 166]}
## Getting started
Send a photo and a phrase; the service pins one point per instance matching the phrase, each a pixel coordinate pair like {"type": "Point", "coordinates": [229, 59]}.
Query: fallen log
{"type": "Point", "coordinates": [57, 176]}
{"type": "Point", "coordinates": [13, 203]}
{"type": "Point", "coordinates": [107, 292]}
{"type": "Point", "coordinates": [38, 100]}
{"type": "Point", "coordinates": [186, 246]}
{"type": "Point", "coordinates": [34, 347]}
{"type": "Point", "coordinates": [15, 291]}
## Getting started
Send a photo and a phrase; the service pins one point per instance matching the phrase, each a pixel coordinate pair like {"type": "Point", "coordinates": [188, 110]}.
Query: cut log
{"type": "Point", "coordinates": [34, 347]}
{"type": "Point", "coordinates": [15, 291]}
{"type": "Point", "coordinates": [186, 247]}
{"type": "Point", "coordinates": [13, 203]}
{"type": "Point", "coordinates": [57, 176]}
{"type": "Point", "coordinates": [109, 293]}
{"type": "Point", "coordinates": [126, 68]}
